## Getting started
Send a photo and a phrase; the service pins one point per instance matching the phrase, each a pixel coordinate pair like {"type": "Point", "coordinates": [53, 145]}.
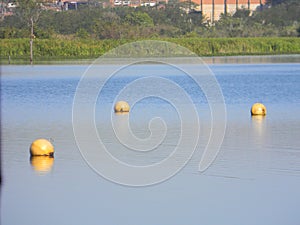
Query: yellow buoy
{"type": "Point", "coordinates": [121, 107]}
{"type": "Point", "coordinates": [258, 109]}
{"type": "Point", "coordinates": [41, 147]}
{"type": "Point", "coordinates": [42, 164]}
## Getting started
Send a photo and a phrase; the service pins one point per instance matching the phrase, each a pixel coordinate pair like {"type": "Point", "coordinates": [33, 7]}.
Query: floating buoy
{"type": "Point", "coordinates": [121, 107]}
{"type": "Point", "coordinates": [41, 147]}
{"type": "Point", "coordinates": [258, 109]}
{"type": "Point", "coordinates": [42, 164]}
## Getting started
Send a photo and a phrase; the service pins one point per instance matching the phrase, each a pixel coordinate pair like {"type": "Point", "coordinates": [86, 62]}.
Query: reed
{"type": "Point", "coordinates": [53, 49]}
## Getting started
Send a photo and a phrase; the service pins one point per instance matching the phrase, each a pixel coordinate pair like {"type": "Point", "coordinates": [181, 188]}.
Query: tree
{"type": "Point", "coordinates": [139, 18]}
{"type": "Point", "coordinates": [277, 2]}
{"type": "Point", "coordinates": [29, 12]}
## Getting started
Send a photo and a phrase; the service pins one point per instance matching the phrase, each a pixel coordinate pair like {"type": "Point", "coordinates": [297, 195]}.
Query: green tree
{"type": "Point", "coordinates": [277, 2]}
{"type": "Point", "coordinates": [139, 18]}
{"type": "Point", "coordinates": [29, 12]}
{"type": "Point", "coordinates": [283, 15]}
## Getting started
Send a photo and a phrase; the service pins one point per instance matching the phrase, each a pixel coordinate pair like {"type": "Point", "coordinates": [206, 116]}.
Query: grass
{"type": "Point", "coordinates": [58, 49]}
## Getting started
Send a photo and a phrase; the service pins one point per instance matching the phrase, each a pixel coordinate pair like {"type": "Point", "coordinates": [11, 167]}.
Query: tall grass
{"type": "Point", "coordinates": [70, 49]}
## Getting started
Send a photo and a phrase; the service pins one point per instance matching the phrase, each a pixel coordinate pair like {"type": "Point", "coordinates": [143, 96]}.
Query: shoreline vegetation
{"type": "Point", "coordinates": [34, 33]}
{"type": "Point", "coordinates": [17, 51]}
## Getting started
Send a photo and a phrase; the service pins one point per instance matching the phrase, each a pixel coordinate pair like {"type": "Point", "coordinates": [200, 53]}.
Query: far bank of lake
{"type": "Point", "coordinates": [17, 51]}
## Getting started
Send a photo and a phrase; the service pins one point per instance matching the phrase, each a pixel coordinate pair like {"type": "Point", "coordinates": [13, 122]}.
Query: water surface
{"type": "Point", "coordinates": [255, 178]}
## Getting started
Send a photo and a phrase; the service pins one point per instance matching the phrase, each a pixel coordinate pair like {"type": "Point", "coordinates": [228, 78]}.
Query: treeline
{"type": "Point", "coordinates": [17, 49]}
{"type": "Point", "coordinates": [278, 18]}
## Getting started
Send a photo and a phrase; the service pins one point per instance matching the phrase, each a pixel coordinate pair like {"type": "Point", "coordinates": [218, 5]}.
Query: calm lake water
{"type": "Point", "coordinates": [255, 178]}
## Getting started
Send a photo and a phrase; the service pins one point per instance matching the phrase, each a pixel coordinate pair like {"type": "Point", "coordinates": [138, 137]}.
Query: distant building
{"type": "Point", "coordinates": [71, 4]}
{"type": "Point", "coordinates": [136, 3]}
{"type": "Point", "coordinates": [212, 9]}
{"type": "Point", "coordinates": [11, 5]}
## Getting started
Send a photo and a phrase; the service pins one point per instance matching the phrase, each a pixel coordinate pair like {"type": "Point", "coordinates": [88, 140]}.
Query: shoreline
{"type": "Point", "coordinates": [210, 60]}
{"type": "Point", "coordinates": [16, 51]}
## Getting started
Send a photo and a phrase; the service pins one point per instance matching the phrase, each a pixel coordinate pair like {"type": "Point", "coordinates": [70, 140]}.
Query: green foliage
{"type": "Point", "coordinates": [278, 2]}
{"type": "Point", "coordinates": [12, 32]}
{"type": "Point", "coordinates": [279, 18]}
{"type": "Point", "coordinates": [82, 33]}
{"type": "Point", "coordinates": [88, 48]}
{"type": "Point", "coordinates": [28, 10]}
{"type": "Point", "coordinates": [298, 30]}
{"type": "Point", "coordinates": [139, 18]}
{"type": "Point", "coordinates": [281, 15]}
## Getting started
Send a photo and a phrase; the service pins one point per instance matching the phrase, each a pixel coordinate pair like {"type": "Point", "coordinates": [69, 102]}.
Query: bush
{"type": "Point", "coordinates": [88, 48]}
